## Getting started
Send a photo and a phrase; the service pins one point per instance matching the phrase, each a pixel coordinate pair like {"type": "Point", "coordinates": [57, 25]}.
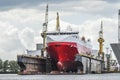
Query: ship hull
{"type": "Point", "coordinates": [64, 54]}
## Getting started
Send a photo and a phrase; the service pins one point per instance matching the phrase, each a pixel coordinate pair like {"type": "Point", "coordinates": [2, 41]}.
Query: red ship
{"type": "Point", "coordinates": [63, 48]}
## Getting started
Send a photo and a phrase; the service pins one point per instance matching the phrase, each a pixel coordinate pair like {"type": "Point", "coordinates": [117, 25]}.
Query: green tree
{"type": "Point", "coordinates": [1, 65]}
{"type": "Point", "coordinates": [13, 66]}
{"type": "Point", "coordinates": [5, 66]}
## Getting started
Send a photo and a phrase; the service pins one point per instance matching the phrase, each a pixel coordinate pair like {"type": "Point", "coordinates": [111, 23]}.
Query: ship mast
{"type": "Point", "coordinates": [57, 23]}
{"type": "Point", "coordinates": [43, 34]}
{"type": "Point", "coordinates": [101, 40]}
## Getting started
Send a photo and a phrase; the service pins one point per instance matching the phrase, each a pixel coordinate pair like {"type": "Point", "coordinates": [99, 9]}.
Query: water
{"type": "Point", "coordinates": [111, 76]}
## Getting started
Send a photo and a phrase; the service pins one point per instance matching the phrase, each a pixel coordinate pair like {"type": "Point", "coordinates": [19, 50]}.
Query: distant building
{"type": "Point", "coordinates": [36, 52]}
{"type": "Point", "coordinates": [39, 46]}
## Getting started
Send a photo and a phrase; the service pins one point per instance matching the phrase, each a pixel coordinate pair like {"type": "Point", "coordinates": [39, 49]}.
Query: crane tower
{"type": "Point", "coordinates": [101, 40]}
{"type": "Point", "coordinates": [43, 34]}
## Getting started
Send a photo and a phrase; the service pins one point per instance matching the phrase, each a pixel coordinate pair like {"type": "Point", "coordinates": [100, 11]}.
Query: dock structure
{"type": "Point", "coordinates": [31, 65]}
{"type": "Point", "coordinates": [91, 64]}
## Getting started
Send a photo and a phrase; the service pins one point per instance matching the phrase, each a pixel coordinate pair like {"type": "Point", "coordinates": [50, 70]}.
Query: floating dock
{"type": "Point", "coordinates": [43, 65]}
{"type": "Point", "coordinates": [31, 65]}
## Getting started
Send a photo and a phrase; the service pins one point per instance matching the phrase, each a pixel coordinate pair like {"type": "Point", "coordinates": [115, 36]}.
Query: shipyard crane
{"type": "Point", "coordinates": [43, 34]}
{"type": "Point", "coordinates": [101, 40]}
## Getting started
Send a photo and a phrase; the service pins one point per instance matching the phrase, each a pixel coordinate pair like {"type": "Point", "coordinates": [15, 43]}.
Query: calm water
{"type": "Point", "coordinates": [111, 76]}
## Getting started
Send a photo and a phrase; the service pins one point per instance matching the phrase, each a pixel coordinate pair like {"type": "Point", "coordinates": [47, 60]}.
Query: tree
{"type": "Point", "coordinates": [5, 66]}
{"type": "Point", "coordinates": [9, 66]}
{"type": "Point", "coordinates": [13, 66]}
{"type": "Point", "coordinates": [1, 65]}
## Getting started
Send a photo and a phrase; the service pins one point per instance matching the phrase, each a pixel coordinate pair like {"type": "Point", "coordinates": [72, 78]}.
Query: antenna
{"type": "Point", "coordinates": [57, 23]}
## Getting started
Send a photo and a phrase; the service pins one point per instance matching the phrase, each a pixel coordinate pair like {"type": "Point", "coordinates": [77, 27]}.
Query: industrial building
{"type": "Point", "coordinates": [116, 46]}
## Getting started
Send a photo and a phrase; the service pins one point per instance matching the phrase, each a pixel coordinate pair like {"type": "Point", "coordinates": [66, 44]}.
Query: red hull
{"type": "Point", "coordinates": [63, 53]}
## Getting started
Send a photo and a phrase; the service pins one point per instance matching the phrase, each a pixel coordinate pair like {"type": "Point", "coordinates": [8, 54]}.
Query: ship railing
{"type": "Point", "coordinates": [90, 57]}
{"type": "Point", "coordinates": [35, 56]}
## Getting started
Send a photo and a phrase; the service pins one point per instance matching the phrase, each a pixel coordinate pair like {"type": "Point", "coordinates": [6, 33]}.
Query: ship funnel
{"type": "Point", "coordinates": [57, 23]}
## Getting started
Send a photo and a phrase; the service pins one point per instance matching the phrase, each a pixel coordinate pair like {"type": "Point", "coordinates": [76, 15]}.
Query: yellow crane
{"type": "Point", "coordinates": [101, 40]}
{"type": "Point", "coordinates": [43, 34]}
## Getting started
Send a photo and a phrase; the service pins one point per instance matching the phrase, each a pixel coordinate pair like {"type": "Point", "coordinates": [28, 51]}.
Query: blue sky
{"type": "Point", "coordinates": [21, 22]}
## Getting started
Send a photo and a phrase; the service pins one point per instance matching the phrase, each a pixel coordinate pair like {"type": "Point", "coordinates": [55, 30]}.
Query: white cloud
{"type": "Point", "coordinates": [82, 6]}
{"type": "Point", "coordinates": [27, 38]}
{"type": "Point", "coordinates": [9, 42]}
{"type": "Point", "coordinates": [19, 13]}
{"type": "Point", "coordinates": [22, 18]}
{"type": "Point", "coordinates": [38, 39]}
{"type": "Point", "coordinates": [14, 41]}
{"type": "Point", "coordinates": [17, 28]}
{"type": "Point", "coordinates": [91, 6]}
